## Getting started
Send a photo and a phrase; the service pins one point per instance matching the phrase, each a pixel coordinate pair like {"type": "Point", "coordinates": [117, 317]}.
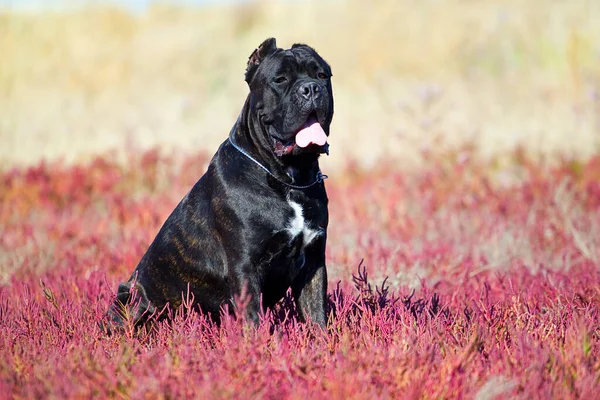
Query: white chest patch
{"type": "Point", "coordinates": [298, 226]}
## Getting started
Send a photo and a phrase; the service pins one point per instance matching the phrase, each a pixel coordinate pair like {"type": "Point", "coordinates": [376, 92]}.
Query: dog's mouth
{"type": "Point", "coordinates": [310, 138]}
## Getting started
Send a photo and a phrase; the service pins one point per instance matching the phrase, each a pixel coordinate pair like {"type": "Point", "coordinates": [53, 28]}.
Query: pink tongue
{"type": "Point", "coordinates": [312, 134]}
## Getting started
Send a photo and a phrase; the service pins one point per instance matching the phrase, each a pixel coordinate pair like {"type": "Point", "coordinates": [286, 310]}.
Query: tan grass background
{"type": "Point", "coordinates": [411, 78]}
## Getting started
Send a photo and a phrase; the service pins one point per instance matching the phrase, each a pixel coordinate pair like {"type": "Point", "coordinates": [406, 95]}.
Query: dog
{"type": "Point", "coordinates": [256, 221]}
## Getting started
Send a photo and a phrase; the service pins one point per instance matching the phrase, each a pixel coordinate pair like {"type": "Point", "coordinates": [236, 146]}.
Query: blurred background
{"type": "Point", "coordinates": [412, 78]}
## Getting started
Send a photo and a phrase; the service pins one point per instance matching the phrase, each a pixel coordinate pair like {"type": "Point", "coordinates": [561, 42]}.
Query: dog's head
{"type": "Point", "coordinates": [291, 96]}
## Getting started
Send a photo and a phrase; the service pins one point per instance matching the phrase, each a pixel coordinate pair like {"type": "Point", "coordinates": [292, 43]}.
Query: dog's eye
{"type": "Point", "coordinates": [280, 79]}
{"type": "Point", "coordinates": [321, 75]}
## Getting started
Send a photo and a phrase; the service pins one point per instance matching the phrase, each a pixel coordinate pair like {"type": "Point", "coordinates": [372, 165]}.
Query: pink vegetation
{"type": "Point", "coordinates": [493, 288]}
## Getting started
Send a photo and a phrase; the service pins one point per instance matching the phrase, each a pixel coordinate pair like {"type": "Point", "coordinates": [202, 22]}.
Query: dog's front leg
{"type": "Point", "coordinates": [310, 286]}
{"type": "Point", "coordinates": [247, 299]}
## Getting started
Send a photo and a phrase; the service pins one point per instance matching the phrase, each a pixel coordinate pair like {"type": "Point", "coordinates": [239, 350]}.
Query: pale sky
{"type": "Point", "coordinates": [136, 5]}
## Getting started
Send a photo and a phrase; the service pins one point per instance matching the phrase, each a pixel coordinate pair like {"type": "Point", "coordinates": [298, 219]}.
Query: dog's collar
{"type": "Point", "coordinates": [318, 179]}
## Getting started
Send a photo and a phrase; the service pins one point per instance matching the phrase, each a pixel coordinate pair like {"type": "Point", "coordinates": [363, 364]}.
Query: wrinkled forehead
{"type": "Point", "coordinates": [301, 59]}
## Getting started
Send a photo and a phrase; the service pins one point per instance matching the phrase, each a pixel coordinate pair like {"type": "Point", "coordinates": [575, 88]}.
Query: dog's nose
{"type": "Point", "coordinates": [309, 90]}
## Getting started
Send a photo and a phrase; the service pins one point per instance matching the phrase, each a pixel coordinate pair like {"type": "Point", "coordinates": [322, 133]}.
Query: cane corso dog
{"type": "Point", "coordinates": [256, 222]}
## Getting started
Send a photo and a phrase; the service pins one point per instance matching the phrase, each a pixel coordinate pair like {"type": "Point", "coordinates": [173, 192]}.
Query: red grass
{"type": "Point", "coordinates": [493, 289]}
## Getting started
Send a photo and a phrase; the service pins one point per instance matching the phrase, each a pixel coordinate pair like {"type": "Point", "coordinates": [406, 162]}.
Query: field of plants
{"type": "Point", "coordinates": [443, 284]}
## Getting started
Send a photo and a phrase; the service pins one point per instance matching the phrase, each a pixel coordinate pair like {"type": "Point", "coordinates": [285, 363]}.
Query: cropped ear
{"type": "Point", "coordinates": [266, 48]}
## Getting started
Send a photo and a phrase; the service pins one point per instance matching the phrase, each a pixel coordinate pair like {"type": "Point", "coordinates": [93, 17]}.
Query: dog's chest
{"type": "Point", "coordinates": [301, 227]}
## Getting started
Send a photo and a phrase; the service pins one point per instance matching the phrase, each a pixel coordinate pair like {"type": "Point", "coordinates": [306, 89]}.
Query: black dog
{"type": "Point", "coordinates": [258, 218]}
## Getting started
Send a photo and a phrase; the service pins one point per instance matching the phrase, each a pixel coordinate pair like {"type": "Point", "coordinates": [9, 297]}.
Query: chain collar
{"type": "Point", "coordinates": [320, 177]}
